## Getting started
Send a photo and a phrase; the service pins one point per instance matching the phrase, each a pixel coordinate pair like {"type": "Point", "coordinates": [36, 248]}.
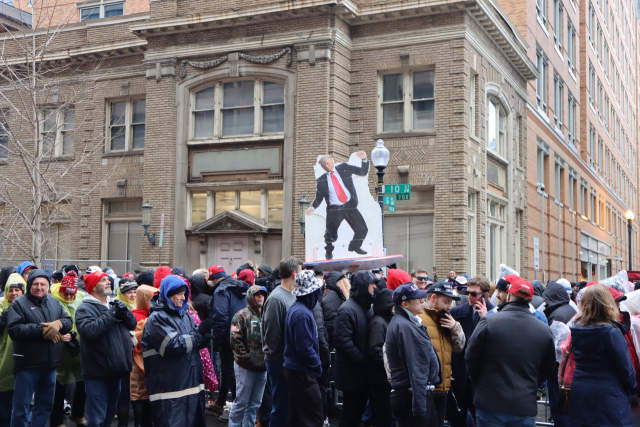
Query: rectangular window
{"type": "Point", "coordinates": [559, 179]}
{"type": "Point", "coordinates": [571, 45]}
{"type": "Point", "coordinates": [243, 108]}
{"type": "Point", "coordinates": [126, 129]}
{"type": "Point", "coordinates": [101, 9]}
{"type": "Point", "coordinates": [592, 75]}
{"type": "Point", "coordinates": [558, 99]}
{"type": "Point", "coordinates": [57, 130]}
{"type": "Point", "coordinates": [572, 119]}
{"type": "Point", "coordinates": [472, 104]}
{"type": "Point", "coordinates": [599, 106]}
{"type": "Point", "coordinates": [4, 135]}
{"type": "Point", "coordinates": [541, 93]}
{"type": "Point", "coordinates": [592, 146]}
{"type": "Point", "coordinates": [557, 24]}
{"type": "Point", "coordinates": [573, 179]}
{"type": "Point", "coordinates": [541, 10]}
{"type": "Point", "coordinates": [416, 110]}
{"type": "Point", "coordinates": [599, 44]}
{"type": "Point", "coordinates": [591, 28]}
{"type": "Point", "coordinates": [583, 198]}
{"type": "Point", "coordinates": [606, 113]}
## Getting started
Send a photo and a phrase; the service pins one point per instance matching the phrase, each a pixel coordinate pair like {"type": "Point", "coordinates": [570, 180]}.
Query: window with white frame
{"type": "Point", "coordinates": [471, 232]}
{"type": "Point", "coordinates": [600, 159]}
{"type": "Point", "coordinates": [606, 59]}
{"type": "Point", "coordinates": [4, 134]}
{"type": "Point", "coordinates": [242, 108]}
{"type": "Point", "coordinates": [541, 10]}
{"type": "Point", "coordinates": [558, 89]}
{"type": "Point", "coordinates": [407, 110]}
{"type": "Point", "coordinates": [126, 130]}
{"type": "Point", "coordinates": [606, 113]}
{"type": "Point", "coordinates": [261, 203]}
{"type": "Point", "coordinates": [541, 92]}
{"type": "Point", "coordinates": [571, 45]}
{"type": "Point", "coordinates": [472, 104]}
{"type": "Point", "coordinates": [497, 128]}
{"type": "Point", "coordinates": [591, 28]}
{"type": "Point", "coordinates": [583, 197]}
{"type": "Point", "coordinates": [559, 173]}
{"type": "Point", "coordinates": [599, 43]}
{"type": "Point", "coordinates": [573, 179]}
{"type": "Point", "coordinates": [496, 239]}
{"type": "Point", "coordinates": [592, 146]}
{"type": "Point", "coordinates": [599, 100]}
{"type": "Point", "coordinates": [95, 9]}
{"type": "Point", "coordinates": [592, 77]}
{"type": "Point", "coordinates": [557, 24]}
{"type": "Point", "coordinates": [606, 12]}
{"type": "Point", "coordinates": [542, 154]}
{"type": "Point", "coordinates": [57, 128]}
{"type": "Point", "coordinates": [572, 119]}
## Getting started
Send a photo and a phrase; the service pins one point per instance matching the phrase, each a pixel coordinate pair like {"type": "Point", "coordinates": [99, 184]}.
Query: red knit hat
{"type": "Point", "coordinates": [247, 276]}
{"type": "Point", "coordinates": [161, 273]}
{"type": "Point", "coordinates": [91, 280]}
{"type": "Point", "coordinates": [68, 284]}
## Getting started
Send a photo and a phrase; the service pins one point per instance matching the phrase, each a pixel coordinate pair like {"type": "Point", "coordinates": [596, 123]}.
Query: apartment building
{"type": "Point", "coordinates": [216, 117]}
{"type": "Point", "coordinates": [582, 133]}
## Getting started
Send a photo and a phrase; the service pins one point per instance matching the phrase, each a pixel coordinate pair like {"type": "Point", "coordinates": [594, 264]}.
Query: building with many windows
{"type": "Point", "coordinates": [216, 117]}
{"type": "Point", "coordinates": [582, 133]}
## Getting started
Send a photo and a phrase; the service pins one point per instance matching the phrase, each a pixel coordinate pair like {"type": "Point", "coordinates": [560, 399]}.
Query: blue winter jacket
{"type": "Point", "coordinates": [604, 378]}
{"type": "Point", "coordinates": [412, 359]}
{"type": "Point", "coordinates": [173, 367]}
{"type": "Point", "coordinates": [229, 298]}
{"type": "Point", "coordinates": [301, 347]}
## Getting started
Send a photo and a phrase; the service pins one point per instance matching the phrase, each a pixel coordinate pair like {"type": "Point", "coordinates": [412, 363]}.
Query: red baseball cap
{"type": "Point", "coordinates": [216, 272]}
{"type": "Point", "coordinates": [521, 287]}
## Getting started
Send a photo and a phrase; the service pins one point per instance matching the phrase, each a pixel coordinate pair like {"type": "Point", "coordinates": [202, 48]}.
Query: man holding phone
{"type": "Point", "coordinates": [468, 316]}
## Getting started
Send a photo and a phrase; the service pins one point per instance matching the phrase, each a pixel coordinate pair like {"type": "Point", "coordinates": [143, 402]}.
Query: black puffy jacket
{"type": "Point", "coordinates": [331, 302]}
{"type": "Point", "coordinates": [557, 300]}
{"type": "Point", "coordinates": [201, 296]}
{"type": "Point", "coordinates": [173, 367]}
{"type": "Point", "coordinates": [383, 312]}
{"type": "Point", "coordinates": [322, 334]}
{"type": "Point", "coordinates": [105, 342]}
{"type": "Point", "coordinates": [26, 313]}
{"type": "Point", "coordinates": [351, 334]}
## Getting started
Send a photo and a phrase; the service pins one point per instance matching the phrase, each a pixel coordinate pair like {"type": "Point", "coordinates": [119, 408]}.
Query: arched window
{"type": "Point", "coordinates": [497, 128]}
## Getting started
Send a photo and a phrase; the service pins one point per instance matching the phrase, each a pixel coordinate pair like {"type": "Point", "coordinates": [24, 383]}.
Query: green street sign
{"type": "Point", "coordinates": [389, 200]}
{"type": "Point", "coordinates": [397, 189]}
{"type": "Point", "coordinates": [403, 196]}
{"type": "Point", "coordinates": [392, 209]}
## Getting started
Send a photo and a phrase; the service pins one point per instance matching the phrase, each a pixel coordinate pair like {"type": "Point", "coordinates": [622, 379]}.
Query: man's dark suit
{"type": "Point", "coordinates": [349, 211]}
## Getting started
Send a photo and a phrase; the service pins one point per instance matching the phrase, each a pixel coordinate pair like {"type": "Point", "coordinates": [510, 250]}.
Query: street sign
{"type": "Point", "coordinates": [403, 196]}
{"type": "Point", "coordinates": [389, 200]}
{"type": "Point", "coordinates": [536, 254]}
{"type": "Point", "coordinates": [397, 188]}
{"type": "Point", "coordinates": [392, 209]}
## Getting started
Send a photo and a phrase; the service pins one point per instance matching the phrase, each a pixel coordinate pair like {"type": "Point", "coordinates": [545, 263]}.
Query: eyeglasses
{"type": "Point", "coordinates": [474, 294]}
{"type": "Point", "coordinates": [421, 278]}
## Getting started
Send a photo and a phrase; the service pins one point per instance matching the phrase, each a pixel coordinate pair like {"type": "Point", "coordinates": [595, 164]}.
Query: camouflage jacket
{"type": "Point", "coordinates": [246, 341]}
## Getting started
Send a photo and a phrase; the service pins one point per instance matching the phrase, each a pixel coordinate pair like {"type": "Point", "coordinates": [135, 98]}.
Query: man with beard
{"type": "Point", "coordinates": [502, 293]}
{"type": "Point", "coordinates": [351, 335]}
{"type": "Point", "coordinates": [446, 336]}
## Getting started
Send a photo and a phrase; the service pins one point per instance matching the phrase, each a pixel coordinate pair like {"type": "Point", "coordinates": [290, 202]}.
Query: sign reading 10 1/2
{"type": "Point", "coordinates": [398, 189]}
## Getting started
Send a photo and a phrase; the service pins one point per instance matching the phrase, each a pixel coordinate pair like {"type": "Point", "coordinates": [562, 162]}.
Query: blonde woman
{"type": "Point", "coordinates": [604, 377]}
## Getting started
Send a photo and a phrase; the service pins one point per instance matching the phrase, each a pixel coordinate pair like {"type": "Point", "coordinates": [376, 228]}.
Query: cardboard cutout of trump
{"type": "Point", "coordinates": [343, 217]}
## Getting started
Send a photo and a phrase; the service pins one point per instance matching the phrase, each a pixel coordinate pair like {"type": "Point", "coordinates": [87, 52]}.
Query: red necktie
{"type": "Point", "coordinates": [339, 191]}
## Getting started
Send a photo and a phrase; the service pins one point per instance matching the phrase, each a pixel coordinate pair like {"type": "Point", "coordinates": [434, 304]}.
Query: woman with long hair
{"type": "Point", "coordinates": [604, 377]}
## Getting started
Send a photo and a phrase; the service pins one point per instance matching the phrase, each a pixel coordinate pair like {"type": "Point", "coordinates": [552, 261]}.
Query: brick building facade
{"type": "Point", "coordinates": [217, 116]}
{"type": "Point", "coordinates": [582, 133]}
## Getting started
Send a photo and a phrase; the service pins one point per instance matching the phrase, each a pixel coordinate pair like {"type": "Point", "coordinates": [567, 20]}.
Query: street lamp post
{"type": "Point", "coordinates": [146, 222]}
{"type": "Point", "coordinates": [380, 159]}
{"type": "Point", "coordinates": [303, 205]}
{"type": "Point", "coordinates": [629, 215]}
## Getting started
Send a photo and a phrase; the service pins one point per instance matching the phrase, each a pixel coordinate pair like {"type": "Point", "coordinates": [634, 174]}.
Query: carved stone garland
{"type": "Point", "coordinates": [251, 58]}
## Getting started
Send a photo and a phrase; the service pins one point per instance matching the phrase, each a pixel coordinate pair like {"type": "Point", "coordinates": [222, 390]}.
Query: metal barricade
{"type": "Point", "coordinates": [545, 402]}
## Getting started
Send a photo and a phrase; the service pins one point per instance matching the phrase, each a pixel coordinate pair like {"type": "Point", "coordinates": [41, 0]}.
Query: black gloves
{"type": "Point", "coordinates": [73, 346]}
{"type": "Point", "coordinates": [119, 309]}
{"type": "Point", "coordinates": [205, 327]}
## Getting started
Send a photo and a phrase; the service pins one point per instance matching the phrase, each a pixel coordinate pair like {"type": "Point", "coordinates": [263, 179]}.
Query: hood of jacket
{"type": "Point", "coordinates": [13, 278]}
{"type": "Point", "coordinates": [169, 284]}
{"type": "Point", "coordinates": [310, 300]}
{"type": "Point", "coordinates": [266, 270]}
{"type": "Point", "coordinates": [199, 285]}
{"type": "Point", "coordinates": [589, 339]}
{"type": "Point", "coordinates": [5, 273]}
{"type": "Point", "coordinates": [331, 282]}
{"type": "Point", "coordinates": [144, 294]}
{"type": "Point", "coordinates": [32, 276]}
{"type": "Point", "coordinates": [538, 287]}
{"type": "Point", "coordinates": [237, 287]}
{"type": "Point", "coordinates": [23, 266]}
{"type": "Point", "coordinates": [251, 302]}
{"type": "Point", "coordinates": [396, 277]}
{"type": "Point", "coordinates": [555, 295]}
{"type": "Point", "coordinates": [383, 303]}
{"type": "Point", "coordinates": [160, 274]}
{"type": "Point", "coordinates": [360, 287]}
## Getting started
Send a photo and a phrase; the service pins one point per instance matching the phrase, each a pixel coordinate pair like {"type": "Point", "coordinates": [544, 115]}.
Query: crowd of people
{"type": "Point", "coordinates": [281, 347]}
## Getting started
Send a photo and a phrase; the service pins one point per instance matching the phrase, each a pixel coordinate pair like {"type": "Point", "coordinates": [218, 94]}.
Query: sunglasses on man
{"type": "Point", "coordinates": [421, 278]}
{"type": "Point", "coordinates": [474, 294]}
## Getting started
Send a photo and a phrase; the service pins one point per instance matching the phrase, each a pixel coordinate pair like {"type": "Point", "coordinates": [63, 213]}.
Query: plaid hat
{"type": "Point", "coordinates": [408, 291]}
{"type": "Point", "coordinates": [93, 269]}
{"type": "Point", "coordinates": [443, 288]}
{"type": "Point", "coordinates": [306, 283]}
{"type": "Point", "coordinates": [68, 284]}
{"type": "Point", "coordinates": [216, 272]}
{"type": "Point", "coordinates": [521, 287]}
{"type": "Point", "coordinates": [92, 279]}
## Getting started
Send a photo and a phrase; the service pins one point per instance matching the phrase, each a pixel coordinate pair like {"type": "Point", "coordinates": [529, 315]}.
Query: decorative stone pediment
{"type": "Point", "coordinates": [230, 222]}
